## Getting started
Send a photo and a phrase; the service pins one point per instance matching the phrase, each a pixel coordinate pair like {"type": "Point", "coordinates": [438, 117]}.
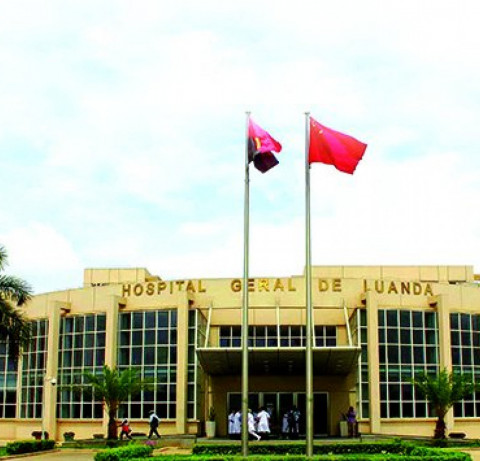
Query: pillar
{"type": "Point", "coordinates": [182, 366]}
{"type": "Point", "coordinates": [373, 362]}
{"type": "Point", "coordinates": [51, 369]}
{"type": "Point", "coordinates": [111, 340]}
{"type": "Point", "coordinates": [444, 342]}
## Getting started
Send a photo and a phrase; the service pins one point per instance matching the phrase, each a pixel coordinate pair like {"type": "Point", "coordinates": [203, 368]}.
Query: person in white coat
{"type": "Point", "coordinates": [251, 425]}
{"type": "Point", "coordinates": [231, 424]}
{"type": "Point", "coordinates": [263, 418]}
{"type": "Point", "coordinates": [285, 425]}
{"type": "Point", "coordinates": [237, 424]}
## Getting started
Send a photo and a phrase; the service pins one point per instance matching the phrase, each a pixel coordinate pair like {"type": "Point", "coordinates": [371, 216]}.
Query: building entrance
{"type": "Point", "coordinates": [278, 403]}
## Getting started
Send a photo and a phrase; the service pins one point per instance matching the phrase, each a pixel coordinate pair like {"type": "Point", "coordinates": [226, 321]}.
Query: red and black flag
{"type": "Point", "coordinates": [260, 147]}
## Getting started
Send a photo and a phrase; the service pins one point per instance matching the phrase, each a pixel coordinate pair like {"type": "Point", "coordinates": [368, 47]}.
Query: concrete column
{"type": "Point", "coordinates": [373, 361]}
{"type": "Point", "coordinates": [111, 336]}
{"type": "Point", "coordinates": [51, 370]}
{"type": "Point", "coordinates": [182, 366]}
{"type": "Point", "coordinates": [111, 340]}
{"type": "Point", "coordinates": [445, 344]}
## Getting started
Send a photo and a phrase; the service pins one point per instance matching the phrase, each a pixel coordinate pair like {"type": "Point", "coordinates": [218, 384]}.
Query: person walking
{"type": "Point", "coordinates": [251, 425]}
{"type": "Point", "coordinates": [263, 418]}
{"type": "Point", "coordinates": [154, 422]}
{"type": "Point", "coordinates": [125, 425]}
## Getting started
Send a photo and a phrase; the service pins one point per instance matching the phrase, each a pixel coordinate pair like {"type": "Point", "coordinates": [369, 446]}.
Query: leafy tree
{"type": "Point", "coordinates": [442, 391]}
{"type": "Point", "coordinates": [15, 329]}
{"type": "Point", "coordinates": [114, 387]}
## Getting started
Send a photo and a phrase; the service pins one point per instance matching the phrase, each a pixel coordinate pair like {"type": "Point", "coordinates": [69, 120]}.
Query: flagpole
{"type": "Point", "coordinates": [308, 292]}
{"type": "Point", "coordinates": [246, 229]}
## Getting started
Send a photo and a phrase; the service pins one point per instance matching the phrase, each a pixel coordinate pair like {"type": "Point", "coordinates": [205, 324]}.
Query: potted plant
{"type": "Point", "coordinates": [210, 424]}
{"type": "Point", "coordinates": [37, 435]}
{"type": "Point", "coordinates": [68, 436]}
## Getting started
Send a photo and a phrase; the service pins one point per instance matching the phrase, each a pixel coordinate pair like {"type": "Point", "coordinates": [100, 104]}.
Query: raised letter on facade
{"type": "Point", "coordinates": [278, 285]}
{"type": "Point", "coordinates": [236, 285]}
{"type": "Point", "coordinates": [392, 288]}
{"type": "Point", "coordinates": [127, 290]}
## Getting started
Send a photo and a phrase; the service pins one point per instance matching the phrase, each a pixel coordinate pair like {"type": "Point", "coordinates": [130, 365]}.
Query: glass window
{"type": "Point", "coordinates": [466, 357]}
{"type": "Point", "coordinates": [150, 337]}
{"type": "Point", "coordinates": [34, 360]}
{"type": "Point", "coordinates": [411, 339]}
{"type": "Point", "coordinates": [83, 351]}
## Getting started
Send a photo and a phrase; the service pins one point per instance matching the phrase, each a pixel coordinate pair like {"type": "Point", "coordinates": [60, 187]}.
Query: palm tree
{"type": "Point", "coordinates": [442, 391]}
{"type": "Point", "coordinates": [114, 387]}
{"type": "Point", "coordinates": [15, 329]}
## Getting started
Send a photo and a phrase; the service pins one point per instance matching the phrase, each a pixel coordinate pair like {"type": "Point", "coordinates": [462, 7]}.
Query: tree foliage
{"type": "Point", "coordinates": [114, 387]}
{"type": "Point", "coordinates": [15, 329]}
{"type": "Point", "coordinates": [442, 391]}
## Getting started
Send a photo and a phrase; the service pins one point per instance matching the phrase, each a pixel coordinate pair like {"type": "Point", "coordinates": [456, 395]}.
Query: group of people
{"type": "Point", "coordinates": [258, 424]}
{"type": "Point", "coordinates": [291, 423]}
{"type": "Point", "coordinates": [153, 421]}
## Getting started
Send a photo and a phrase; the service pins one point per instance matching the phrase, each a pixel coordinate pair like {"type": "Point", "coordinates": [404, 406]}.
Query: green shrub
{"type": "Point", "coordinates": [29, 446]}
{"type": "Point", "coordinates": [452, 456]}
{"type": "Point", "coordinates": [128, 452]}
{"type": "Point", "coordinates": [322, 452]}
{"type": "Point", "coordinates": [299, 448]}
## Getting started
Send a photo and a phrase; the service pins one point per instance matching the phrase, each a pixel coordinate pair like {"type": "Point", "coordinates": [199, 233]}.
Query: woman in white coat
{"type": "Point", "coordinates": [251, 425]}
{"type": "Point", "coordinates": [231, 424]}
{"type": "Point", "coordinates": [263, 418]}
{"type": "Point", "coordinates": [237, 424]}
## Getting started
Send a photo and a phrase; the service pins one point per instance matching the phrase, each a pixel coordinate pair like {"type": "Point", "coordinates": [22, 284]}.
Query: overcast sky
{"type": "Point", "coordinates": [122, 134]}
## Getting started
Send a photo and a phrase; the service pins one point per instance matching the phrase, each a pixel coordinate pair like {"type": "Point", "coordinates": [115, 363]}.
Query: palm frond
{"type": "Point", "coordinates": [114, 386]}
{"type": "Point", "coordinates": [15, 289]}
{"type": "Point", "coordinates": [3, 257]}
{"type": "Point", "coordinates": [15, 328]}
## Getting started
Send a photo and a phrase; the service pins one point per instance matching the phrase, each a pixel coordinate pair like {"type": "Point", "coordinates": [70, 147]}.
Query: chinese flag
{"type": "Point", "coordinates": [260, 147]}
{"type": "Point", "coordinates": [334, 148]}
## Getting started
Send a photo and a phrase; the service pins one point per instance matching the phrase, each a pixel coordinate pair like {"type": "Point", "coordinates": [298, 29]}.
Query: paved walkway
{"type": "Point", "coordinates": [474, 453]}
{"type": "Point", "coordinates": [58, 455]}
{"type": "Point", "coordinates": [88, 455]}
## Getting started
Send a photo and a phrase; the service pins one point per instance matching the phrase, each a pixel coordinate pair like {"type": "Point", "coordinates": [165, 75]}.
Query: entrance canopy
{"type": "Point", "coordinates": [339, 360]}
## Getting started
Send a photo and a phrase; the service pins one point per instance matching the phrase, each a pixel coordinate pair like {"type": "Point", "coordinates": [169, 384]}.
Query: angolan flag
{"type": "Point", "coordinates": [260, 147]}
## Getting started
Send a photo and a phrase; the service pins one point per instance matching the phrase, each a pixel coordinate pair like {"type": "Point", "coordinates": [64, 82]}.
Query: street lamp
{"type": "Point", "coordinates": [53, 381]}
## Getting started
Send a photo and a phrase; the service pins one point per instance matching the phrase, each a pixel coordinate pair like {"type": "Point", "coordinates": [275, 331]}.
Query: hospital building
{"type": "Point", "coordinates": [375, 327]}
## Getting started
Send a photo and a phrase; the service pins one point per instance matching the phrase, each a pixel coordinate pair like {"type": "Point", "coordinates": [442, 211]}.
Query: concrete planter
{"type": "Point", "coordinates": [210, 429]}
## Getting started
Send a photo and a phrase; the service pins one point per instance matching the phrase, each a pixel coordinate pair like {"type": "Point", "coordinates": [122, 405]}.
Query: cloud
{"type": "Point", "coordinates": [42, 256]}
{"type": "Point", "coordinates": [123, 133]}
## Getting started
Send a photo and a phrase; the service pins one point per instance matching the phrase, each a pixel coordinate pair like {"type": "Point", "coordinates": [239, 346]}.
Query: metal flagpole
{"type": "Point", "coordinates": [246, 228]}
{"type": "Point", "coordinates": [308, 291]}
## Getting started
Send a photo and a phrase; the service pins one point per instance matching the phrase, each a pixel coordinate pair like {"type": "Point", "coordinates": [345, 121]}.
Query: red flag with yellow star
{"type": "Point", "coordinates": [334, 148]}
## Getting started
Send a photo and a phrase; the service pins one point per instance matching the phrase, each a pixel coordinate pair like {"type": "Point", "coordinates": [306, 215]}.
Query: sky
{"type": "Point", "coordinates": [122, 132]}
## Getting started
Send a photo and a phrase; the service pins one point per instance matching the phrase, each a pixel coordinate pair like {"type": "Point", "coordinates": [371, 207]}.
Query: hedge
{"type": "Point", "coordinates": [129, 452]}
{"type": "Point", "coordinates": [299, 448]}
{"type": "Point", "coordinates": [29, 446]}
{"type": "Point", "coordinates": [456, 456]}
{"type": "Point", "coordinates": [446, 456]}
{"type": "Point", "coordinates": [330, 451]}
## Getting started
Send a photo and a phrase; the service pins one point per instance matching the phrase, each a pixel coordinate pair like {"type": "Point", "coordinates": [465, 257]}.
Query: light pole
{"type": "Point", "coordinates": [53, 381]}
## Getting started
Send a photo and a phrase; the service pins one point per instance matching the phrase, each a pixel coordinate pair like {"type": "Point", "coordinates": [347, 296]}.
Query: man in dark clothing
{"type": "Point", "coordinates": [154, 422]}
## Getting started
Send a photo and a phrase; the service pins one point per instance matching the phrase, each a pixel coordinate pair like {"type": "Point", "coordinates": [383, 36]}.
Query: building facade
{"type": "Point", "coordinates": [374, 328]}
